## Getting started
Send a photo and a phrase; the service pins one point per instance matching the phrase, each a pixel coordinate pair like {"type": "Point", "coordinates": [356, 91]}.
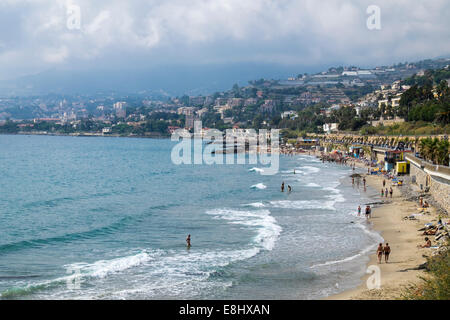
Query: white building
{"type": "Point", "coordinates": [330, 127]}
{"type": "Point", "coordinates": [289, 114]}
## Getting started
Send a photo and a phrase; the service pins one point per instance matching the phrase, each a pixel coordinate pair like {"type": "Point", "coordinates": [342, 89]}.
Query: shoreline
{"type": "Point", "coordinates": [403, 237]}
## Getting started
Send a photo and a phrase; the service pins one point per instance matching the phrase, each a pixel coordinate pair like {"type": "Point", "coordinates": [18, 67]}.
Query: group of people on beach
{"type": "Point", "coordinates": [368, 211]}
{"type": "Point", "coordinates": [384, 192]}
{"type": "Point", "coordinates": [386, 250]}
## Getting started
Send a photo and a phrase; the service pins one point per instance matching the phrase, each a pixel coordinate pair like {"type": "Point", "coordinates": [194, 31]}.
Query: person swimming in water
{"type": "Point", "coordinates": [188, 241]}
{"type": "Point", "coordinates": [289, 188]}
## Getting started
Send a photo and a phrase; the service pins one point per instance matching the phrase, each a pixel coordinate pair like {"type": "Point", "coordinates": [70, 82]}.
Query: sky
{"type": "Point", "coordinates": [129, 36]}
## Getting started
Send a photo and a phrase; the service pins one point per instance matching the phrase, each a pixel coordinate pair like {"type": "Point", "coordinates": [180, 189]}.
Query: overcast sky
{"type": "Point", "coordinates": [119, 34]}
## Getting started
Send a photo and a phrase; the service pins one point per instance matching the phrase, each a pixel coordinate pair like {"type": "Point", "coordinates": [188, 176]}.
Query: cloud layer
{"type": "Point", "coordinates": [35, 35]}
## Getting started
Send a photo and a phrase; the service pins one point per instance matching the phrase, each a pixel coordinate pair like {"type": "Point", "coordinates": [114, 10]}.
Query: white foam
{"type": "Point", "coordinates": [303, 204]}
{"type": "Point", "coordinates": [361, 253]}
{"type": "Point", "coordinates": [267, 229]}
{"type": "Point", "coordinates": [332, 189]}
{"type": "Point", "coordinates": [260, 186]}
{"type": "Point", "coordinates": [259, 170]}
{"type": "Point", "coordinates": [310, 169]}
{"type": "Point", "coordinates": [336, 197]}
{"type": "Point", "coordinates": [102, 268]}
{"type": "Point", "coordinates": [374, 235]}
{"type": "Point", "coordinates": [256, 205]}
{"type": "Point", "coordinates": [312, 185]}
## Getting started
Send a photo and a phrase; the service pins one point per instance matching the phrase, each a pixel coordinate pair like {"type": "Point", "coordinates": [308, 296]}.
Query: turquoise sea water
{"type": "Point", "coordinates": [107, 218]}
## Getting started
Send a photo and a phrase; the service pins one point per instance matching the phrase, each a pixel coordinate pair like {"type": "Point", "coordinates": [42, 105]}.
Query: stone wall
{"type": "Point", "coordinates": [434, 178]}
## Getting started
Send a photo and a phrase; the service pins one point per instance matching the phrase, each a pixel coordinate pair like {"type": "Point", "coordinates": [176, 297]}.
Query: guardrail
{"type": "Point", "coordinates": [431, 169]}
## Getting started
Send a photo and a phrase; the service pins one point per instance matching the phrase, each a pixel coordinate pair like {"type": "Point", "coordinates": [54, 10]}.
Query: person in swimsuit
{"type": "Point", "coordinates": [364, 181]}
{"type": "Point", "coordinates": [289, 188]}
{"type": "Point", "coordinates": [359, 210]}
{"type": "Point", "coordinates": [391, 191]}
{"type": "Point", "coordinates": [282, 187]}
{"type": "Point", "coordinates": [386, 251]}
{"type": "Point", "coordinates": [188, 241]}
{"type": "Point", "coordinates": [386, 192]}
{"type": "Point", "coordinates": [382, 192]}
{"type": "Point", "coordinates": [367, 212]}
{"type": "Point", "coordinates": [427, 243]}
{"type": "Point", "coordinates": [384, 183]}
{"type": "Point", "coordinates": [380, 252]}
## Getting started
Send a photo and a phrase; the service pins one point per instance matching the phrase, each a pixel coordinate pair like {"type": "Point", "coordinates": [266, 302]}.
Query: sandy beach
{"type": "Point", "coordinates": [403, 237]}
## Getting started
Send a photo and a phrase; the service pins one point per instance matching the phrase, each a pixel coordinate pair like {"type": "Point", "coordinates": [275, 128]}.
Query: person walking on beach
{"type": "Point", "coordinates": [380, 252]}
{"type": "Point", "coordinates": [282, 187]}
{"type": "Point", "coordinates": [384, 183]}
{"type": "Point", "coordinates": [188, 241]}
{"type": "Point", "coordinates": [359, 210]}
{"type": "Point", "coordinates": [391, 191]}
{"type": "Point", "coordinates": [386, 192]}
{"type": "Point", "coordinates": [364, 181]}
{"type": "Point", "coordinates": [386, 251]}
{"type": "Point", "coordinates": [382, 192]}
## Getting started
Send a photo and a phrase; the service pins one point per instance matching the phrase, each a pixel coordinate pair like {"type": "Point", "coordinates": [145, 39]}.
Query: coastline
{"type": "Point", "coordinates": [403, 237]}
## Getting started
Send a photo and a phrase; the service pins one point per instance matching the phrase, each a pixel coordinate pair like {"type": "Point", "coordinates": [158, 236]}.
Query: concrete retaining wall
{"type": "Point", "coordinates": [434, 178]}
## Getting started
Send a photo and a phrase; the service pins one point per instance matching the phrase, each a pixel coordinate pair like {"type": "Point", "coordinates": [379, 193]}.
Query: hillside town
{"type": "Point", "coordinates": [339, 99]}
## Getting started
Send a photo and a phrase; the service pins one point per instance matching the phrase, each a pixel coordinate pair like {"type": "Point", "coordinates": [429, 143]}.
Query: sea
{"type": "Point", "coordinates": [108, 217]}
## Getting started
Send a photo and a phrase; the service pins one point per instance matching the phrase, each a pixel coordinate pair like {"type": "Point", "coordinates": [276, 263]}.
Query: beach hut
{"type": "Point", "coordinates": [402, 167]}
{"type": "Point", "coordinates": [391, 157]}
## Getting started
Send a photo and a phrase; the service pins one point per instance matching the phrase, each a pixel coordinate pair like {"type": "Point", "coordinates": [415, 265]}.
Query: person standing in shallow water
{"type": "Point", "coordinates": [368, 212]}
{"type": "Point", "coordinates": [188, 241]}
{"type": "Point", "coordinates": [282, 187]}
{"type": "Point", "coordinates": [359, 211]}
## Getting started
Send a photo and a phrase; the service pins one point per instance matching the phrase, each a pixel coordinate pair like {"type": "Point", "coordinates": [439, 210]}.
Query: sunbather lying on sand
{"type": "Point", "coordinates": [430, 232]}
